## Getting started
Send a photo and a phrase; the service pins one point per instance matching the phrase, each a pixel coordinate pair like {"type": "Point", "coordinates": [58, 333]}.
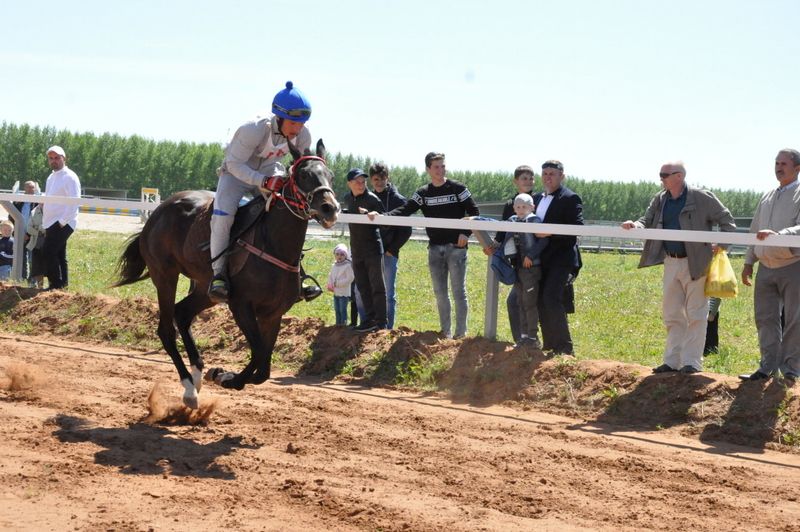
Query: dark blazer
{"type": "Point", "coordinates": [565, 208]}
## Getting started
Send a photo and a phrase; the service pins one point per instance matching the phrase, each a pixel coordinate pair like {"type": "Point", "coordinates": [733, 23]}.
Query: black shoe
{"type": "Point", "coordinates": [309, 293]}
{"type": "Point", "coordinates": [688, 370]}
{"type": "Point", "coordinates": [366, 327]}
{"type": "Point", "coordinates": [663, 368]}
{"type": "Point", "coordinates": [756, 376]}
{"type": "Point", "coordinates": [790, 377]}
{"type": "Point", "coordinates": [218, 289]}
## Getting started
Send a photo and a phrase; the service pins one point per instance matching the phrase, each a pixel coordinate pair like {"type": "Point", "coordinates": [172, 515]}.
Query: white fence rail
{"type": "Point", "coordinates": [490, 325]}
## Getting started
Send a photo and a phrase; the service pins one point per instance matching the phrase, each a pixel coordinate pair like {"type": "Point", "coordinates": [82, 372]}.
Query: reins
{"type": "Point", "coordinates": [298, 203]}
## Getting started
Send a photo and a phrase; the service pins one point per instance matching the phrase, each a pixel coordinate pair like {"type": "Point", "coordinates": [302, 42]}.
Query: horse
{"type": "Point", "coordinates": [266, 284]}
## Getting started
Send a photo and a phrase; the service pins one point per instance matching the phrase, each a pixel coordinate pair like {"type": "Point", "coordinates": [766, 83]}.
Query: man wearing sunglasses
{"type": "Point", "coordinates": [684, 304]}
{"type": "Point", "coordinates": [253, 162]}
{"type": "Point", "coordinates": [561, 259]}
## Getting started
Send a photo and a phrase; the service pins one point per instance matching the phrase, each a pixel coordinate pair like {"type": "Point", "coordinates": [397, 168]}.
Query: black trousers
{"type": "Point", "coordinates": [368, 272]}
{"type": "Point", "coordinates": [55, 255]}
{"type": "Point", "coordinates": [552, 312]}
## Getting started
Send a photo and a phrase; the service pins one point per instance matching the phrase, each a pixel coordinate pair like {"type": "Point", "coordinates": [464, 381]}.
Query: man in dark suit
{"type": "Point", "coordinates": [560, 259]}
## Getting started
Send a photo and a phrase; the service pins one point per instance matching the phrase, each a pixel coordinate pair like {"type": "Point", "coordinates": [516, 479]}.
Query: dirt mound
{"type": "Point", "coordinates": [474, 371]}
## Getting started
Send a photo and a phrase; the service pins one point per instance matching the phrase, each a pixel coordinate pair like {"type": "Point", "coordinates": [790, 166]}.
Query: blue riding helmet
{"type": "Point", "coordinates": [291, 104]}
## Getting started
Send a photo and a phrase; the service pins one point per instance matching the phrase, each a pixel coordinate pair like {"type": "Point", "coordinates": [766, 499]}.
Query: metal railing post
{"type": "Point", "coordinates": [490, 311]}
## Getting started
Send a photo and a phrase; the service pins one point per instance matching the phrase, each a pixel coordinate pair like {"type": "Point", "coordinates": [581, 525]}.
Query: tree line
{"type": "Point", "coordinates": [113, 161]}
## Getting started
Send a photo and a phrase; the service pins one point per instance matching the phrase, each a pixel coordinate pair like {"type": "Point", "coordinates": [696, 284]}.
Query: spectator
{"type": "Point", "coordinates": [778, 280]}
{"type": "Point", "coordinates": [339, 282]}
{"type": "Point", "coordinates": [393, 237]}
{"type": "Point", "coordinates": [524, 181]}
{"type": "Point", "coordinates": [25, 208]}
{"type": "Point", "coordinates": [252, 162]}
{"type": "Point", "coordinates": [59, 219]}
{"type": "Point", "coordinates": [447, 248]}
{"type": "Point", "coordinates": [560, 259]}
{"type": "Point", "coordinates": [6, 249]}
{"type": "Point", "coordinates": [525, 250]}
{"type": "Point", "coordinates": [684, 304]}
{"type": "Point", "coordinates": [712, 326]}
{"type": "Point", "coordinates": [35, 244]}
{"type": "Point", "coordinates": [365, 242]}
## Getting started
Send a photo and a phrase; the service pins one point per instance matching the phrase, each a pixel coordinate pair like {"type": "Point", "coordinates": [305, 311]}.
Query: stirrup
{"type": "Point", "coordinates": [309, 293]}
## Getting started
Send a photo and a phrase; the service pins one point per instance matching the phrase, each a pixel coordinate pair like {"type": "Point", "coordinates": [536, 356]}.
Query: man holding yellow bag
{"type": "Point", "coordinates": [684, 305]}
{"type": "Point", "coordinates": [778, 280]}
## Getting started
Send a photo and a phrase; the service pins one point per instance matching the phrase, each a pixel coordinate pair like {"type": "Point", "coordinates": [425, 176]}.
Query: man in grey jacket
{"type": "Point", "coordinates": [684, 306]}
{"type": "Point", "coordinates": [252, 162]}
{"type": "Point", "coordinates": [778, 280]}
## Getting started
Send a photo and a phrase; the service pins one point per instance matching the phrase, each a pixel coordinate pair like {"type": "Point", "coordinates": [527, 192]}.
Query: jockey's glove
{"type": "Point", "coordinates": [275, 181]}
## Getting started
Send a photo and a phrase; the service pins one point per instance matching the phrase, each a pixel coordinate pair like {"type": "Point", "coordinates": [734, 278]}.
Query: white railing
{"type": "Point", "coordinates": [490, 325]}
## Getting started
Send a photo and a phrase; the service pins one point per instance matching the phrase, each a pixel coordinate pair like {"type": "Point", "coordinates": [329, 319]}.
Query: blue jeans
{"type": "Point", "coordinates": [5, 272]}
{"type": "Point", "coordinates": [390, 279]}
{"type": "Point", "coordinates": [443, 261]}
{"type": "Point", "coordinates": [341, 304]}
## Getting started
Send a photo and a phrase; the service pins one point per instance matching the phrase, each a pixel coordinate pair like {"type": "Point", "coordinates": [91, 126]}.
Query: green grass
{"type": "Point", "coordinates": [618, 306]}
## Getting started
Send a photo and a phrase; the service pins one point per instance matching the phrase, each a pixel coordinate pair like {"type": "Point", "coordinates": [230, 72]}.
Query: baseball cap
{"type": "Point", "coordinates": [57, 150]}
{"type": "Point", "coordinates": [356, 172]}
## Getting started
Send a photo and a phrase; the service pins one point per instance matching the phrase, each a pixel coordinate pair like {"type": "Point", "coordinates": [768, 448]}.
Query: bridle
{"type": "Point", "coordinates": [298, 201]}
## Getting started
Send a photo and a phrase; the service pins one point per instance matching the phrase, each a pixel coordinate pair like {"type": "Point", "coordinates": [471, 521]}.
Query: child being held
{"type": "Point", "coordinates": [6, 249]}
{"type": "Point", "coordinates": [339, 282]}
{"type": "Point", "coordinates": [524, 250]}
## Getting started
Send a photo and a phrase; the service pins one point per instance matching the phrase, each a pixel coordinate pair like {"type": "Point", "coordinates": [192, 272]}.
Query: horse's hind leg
{"type": "Point", "coordinates": [185, 312]}
{"type": "Point", "coordinates": [166, 286]}
{"type": "Point", "coordinates": [269, 333]}
{"type": "Point", "coordinates": [244, 315]}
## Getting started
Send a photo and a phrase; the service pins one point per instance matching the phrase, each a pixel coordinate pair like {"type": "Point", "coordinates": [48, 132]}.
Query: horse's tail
{"type": "Point", "coordinates": [131, 265]}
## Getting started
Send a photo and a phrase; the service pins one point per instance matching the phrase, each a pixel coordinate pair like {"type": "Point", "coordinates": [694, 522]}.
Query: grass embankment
{"type": "Point", "coordinates": [618, 306]}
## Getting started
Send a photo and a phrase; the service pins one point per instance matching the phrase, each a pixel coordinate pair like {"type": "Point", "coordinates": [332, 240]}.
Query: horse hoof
{"type": "Point", "coordinates": [212, 374]}
{"type": "Point", "coordinates": [227, 380]}
{"type": "Point", "coordinates": [191, 402]}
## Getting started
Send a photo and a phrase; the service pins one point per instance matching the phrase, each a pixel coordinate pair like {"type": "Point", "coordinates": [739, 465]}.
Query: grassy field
{"type": "Point", "coordinates": [618, 306]}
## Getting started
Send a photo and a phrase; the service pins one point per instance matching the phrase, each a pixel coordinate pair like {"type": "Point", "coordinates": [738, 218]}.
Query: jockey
{"type": "Point", "coordinates": [251, 164]}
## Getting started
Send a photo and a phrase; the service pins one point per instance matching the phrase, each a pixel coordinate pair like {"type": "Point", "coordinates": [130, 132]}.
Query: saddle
{"type": "Point", "coordinates": [246, 218]}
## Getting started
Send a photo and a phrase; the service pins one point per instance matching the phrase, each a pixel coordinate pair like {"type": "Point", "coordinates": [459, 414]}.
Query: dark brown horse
{"type": "Point", "coordinates": [266, 284]}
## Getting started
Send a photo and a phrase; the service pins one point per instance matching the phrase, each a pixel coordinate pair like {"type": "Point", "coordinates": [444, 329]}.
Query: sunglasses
{"type": "Point", "coordinates": [553, 165]}
{"type": "Point", "coordinates": [664, 175]}
{"type": "Point", "coordinates": [294, 113]}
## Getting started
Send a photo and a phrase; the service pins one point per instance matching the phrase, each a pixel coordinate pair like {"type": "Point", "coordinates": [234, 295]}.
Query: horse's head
{"type": "Point", "coordinates": [312, 179]}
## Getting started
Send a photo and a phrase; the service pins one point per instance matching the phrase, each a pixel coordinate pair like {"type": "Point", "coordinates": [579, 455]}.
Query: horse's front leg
{"type": "Point", "coordinates": [245, 317]}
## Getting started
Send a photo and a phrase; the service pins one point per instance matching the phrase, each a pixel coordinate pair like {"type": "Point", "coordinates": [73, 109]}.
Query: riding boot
{"type": "Point", "coordinates": [311, 292]}
{"type": "Point", "coordinates": [218, 289]}
{"type": "Point", "coordinates": [308, 293]}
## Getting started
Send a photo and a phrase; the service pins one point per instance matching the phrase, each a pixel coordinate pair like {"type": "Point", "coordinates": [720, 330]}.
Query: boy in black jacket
{"type": "Point", "coordinates": [394, 237]}
{"type": "Point", "coordinates": [366, 248]}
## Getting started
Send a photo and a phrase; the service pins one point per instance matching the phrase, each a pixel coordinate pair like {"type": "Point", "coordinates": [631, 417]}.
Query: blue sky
{"type": "Point", "coordinates": [612, 88]}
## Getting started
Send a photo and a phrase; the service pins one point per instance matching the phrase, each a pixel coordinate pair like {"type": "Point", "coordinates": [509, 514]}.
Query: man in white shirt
{"type": "Point", "coordinates": [58, 219]}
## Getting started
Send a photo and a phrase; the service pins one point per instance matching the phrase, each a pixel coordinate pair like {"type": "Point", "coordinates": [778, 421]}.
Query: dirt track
{"type": "Point", "coordinates": [298, 455]}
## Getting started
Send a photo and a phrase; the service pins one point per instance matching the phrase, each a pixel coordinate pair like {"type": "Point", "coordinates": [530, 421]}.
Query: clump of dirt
{"type": "Point", "coordinates": [167, 410]}
{"type": "Point", "coordinates": [476, 370]}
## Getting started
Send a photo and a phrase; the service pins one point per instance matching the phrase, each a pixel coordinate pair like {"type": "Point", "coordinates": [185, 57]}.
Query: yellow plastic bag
{"type": "Point", "coordinates": [720, 279]}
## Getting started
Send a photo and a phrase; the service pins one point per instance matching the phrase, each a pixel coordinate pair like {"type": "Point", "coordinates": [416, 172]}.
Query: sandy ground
{"type": "Point", "coordinates": [93, 437]}
{"type": "Point", "coordinates": [83, 449]}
